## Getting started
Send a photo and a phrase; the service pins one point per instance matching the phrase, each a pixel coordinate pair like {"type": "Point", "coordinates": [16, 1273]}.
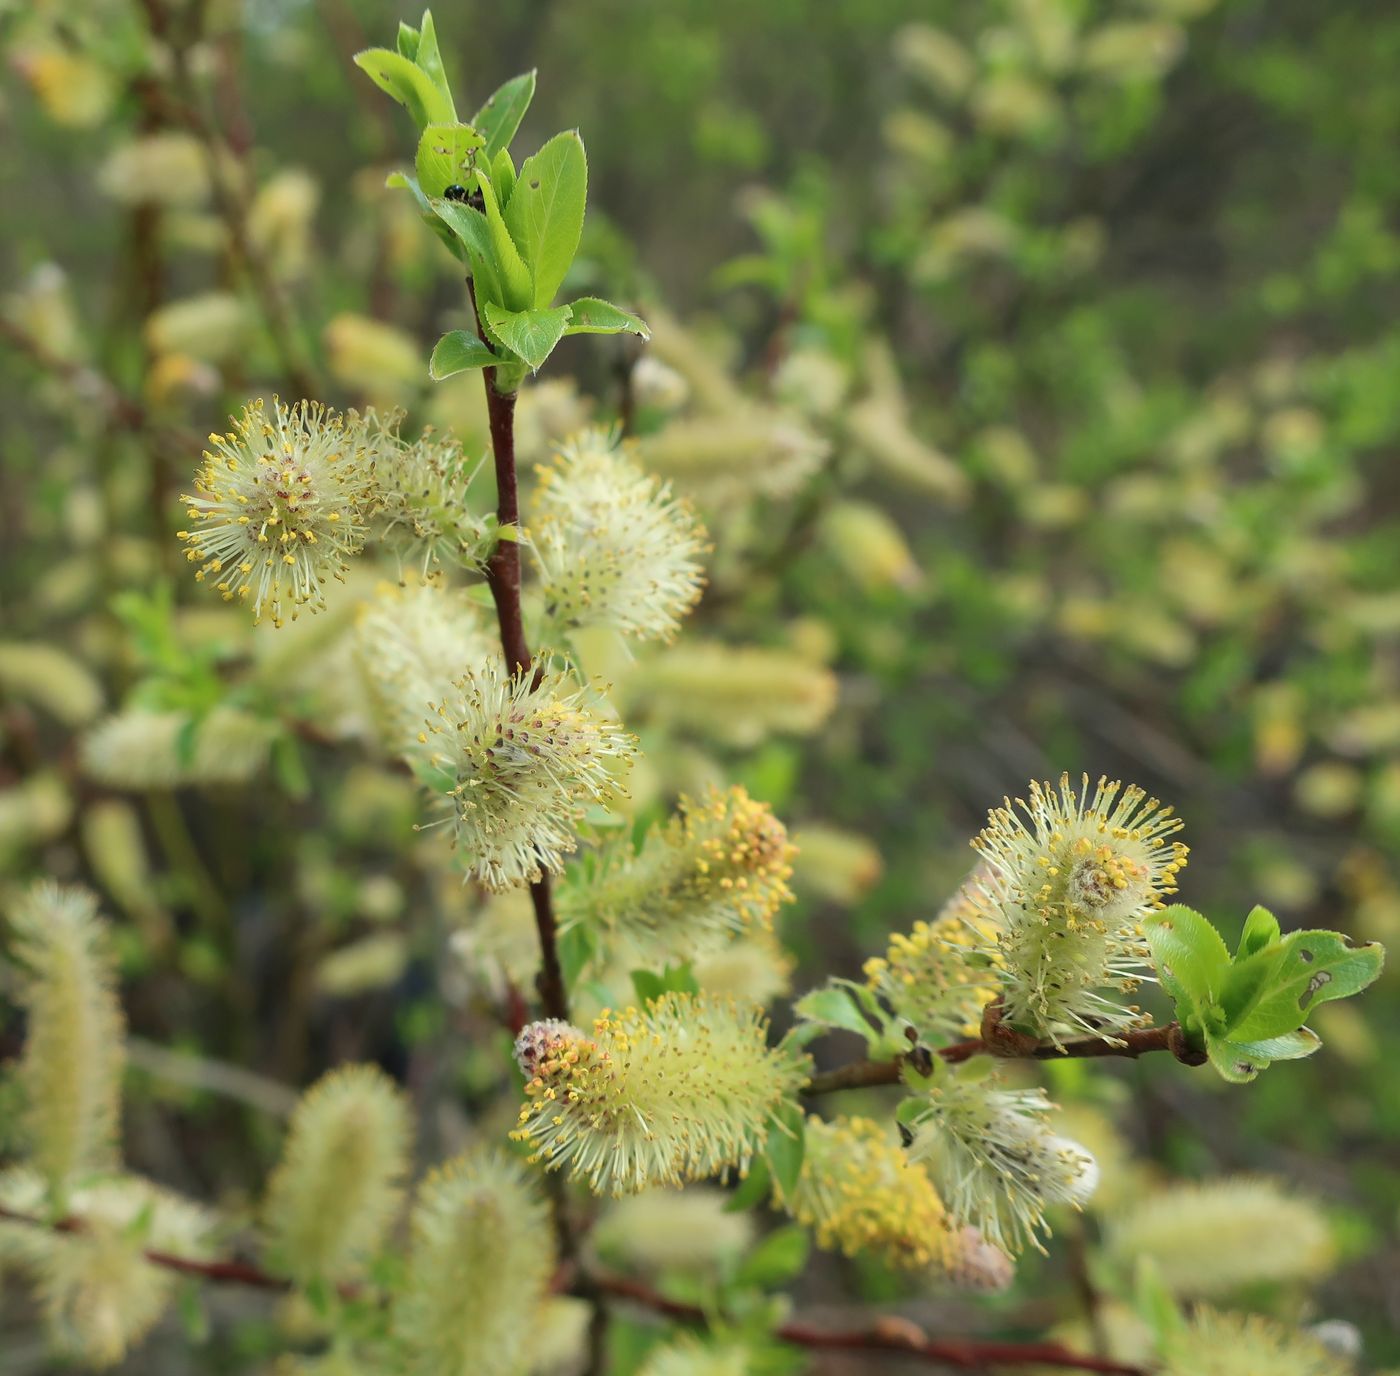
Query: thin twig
{"type": "Point", "coordinates": [212, 1076]}
{"type": "Point", "coordinates": [227, 1272]}
{"type": "Point", "coordinates": [231, 203]}
{"type": "Point", "coordinates": [125, 411]}
{"type": "Point", "coordinates": [503, 578]}
{"type": "Point", "coordinates": [899, 1337]}
{"type": "Point", "coordinates": [865, 1074]}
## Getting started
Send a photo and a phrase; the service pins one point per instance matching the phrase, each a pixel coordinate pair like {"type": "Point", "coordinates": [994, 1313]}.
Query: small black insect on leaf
{"type": "Point", "coordinates": [455, 193]}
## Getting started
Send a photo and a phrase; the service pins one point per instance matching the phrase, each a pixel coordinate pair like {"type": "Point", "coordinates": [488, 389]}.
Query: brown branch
{"type": "Point", "coordinates": [227, 1272]}
{"type": "Point", "coordinates": [503, 578]}
{"type": "Point", "coordinates": [123, 410]}
{"type": "Point", "coordinates": [888, 1335]}
{"type": "Point", "coordinates": [231, 202]}
{"type": "Point", "coordinates": [865, 1074]}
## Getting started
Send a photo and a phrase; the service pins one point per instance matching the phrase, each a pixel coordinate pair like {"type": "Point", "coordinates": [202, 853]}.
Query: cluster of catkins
{"type": "Point", "coordinates": [1045, 939]}
{"type": "Point", "coordinates": [687, 1086]}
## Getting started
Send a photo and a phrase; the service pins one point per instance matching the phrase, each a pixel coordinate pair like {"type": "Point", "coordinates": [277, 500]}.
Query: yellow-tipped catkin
{"type": "Point", "coordinates": [835, 864]}
{"type": "Point", "coordinates": [373, 962]}
{"type": "Point", "coordinates": [426, 514]}
{"type": "Point", "coordinates": [936, 58]}
{"type": "Point", "coordinates": [479, 1263]}
{"type": "Point", "coordinates": [1212, 1343]}
{"type": "Point", "coordinates": [116, 850]}
{"type": "Point", "coordinates": [869, 547]}
{"type": "Point", "coordinates": [881, 431]}
{"type": "Point", "coordinates": [138, 748]}
{"type": "Point", "coordinates": [735, 694]}
{"type": "Point", "coordinates": [75, 88]}
{"type": "Point", "coordinates": [614, 547]}
{"type": "Point", "coordinates": [166, 168]}
{"type": "Point", "coordinates": [558, 1340]}
{"type": "Point", "coordinates": [686, 1230]}
{"type": "Point", "coordinates": [934, 977]}
{"type": "Point", "coordinates": [1212, 1238]}
{"type": "Point", "coordinates": [281, 503]}
{"type": "Point", "coordinates": [721, 460]}
{"type": "Point", "coordinates": [753, 968]}
{"type": "Point", "coordinates": [213, 327]}
{"type": "Point", "coordinates": [996, 1159]}
{"type": "Point", "coordinates": [411, 644]}
{"type": "Point", "coordinates": [337, 1187]}
{"type": "Point", "coordinates": [514, 760]}
{"type": "Point", "coordinates": [718, 868]}
{"type": "Point", "coordinates": [99, 1295]}
{"type": "Point", "coordinates": [35, 810]}
{"type": "Point", "coordinates": [73, 1055]}
{"type": "Point", "coordinates": [680, 1090]}
{"type": "Point", "coordinates": [374, 358]}
{"type": "Point", "coordinates": [280, 220]}
{"type": "Point", "coordinates": [859, 1193]}
{"type": "Point", "coordinates": [1075, 872]}
{"type": "Point", "coordinates": [690, 1357]}
{"type": "Point", "coordinates": [51, 679]}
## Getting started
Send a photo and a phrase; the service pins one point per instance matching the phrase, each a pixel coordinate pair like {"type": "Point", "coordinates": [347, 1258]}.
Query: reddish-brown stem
{"type": "Point", "coordinates": [503, 578]}
{"type": "Point", "coordinates": [883, 1336]}
{"type": "Point", "coordinates": [895, 1336]}
{"type": "Point", "coordinates": [865, 1074]}
{"type": "Point", "coordinates": [228, 1272]}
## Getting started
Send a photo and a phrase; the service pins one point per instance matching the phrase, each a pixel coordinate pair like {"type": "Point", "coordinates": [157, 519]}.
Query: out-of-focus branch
{"type": "Point", "coordinates": [227, 1272]}
{"type": "Point", "coordinates": [896, 1336]}
{"type": "Point", "coordinates": [231, 202]}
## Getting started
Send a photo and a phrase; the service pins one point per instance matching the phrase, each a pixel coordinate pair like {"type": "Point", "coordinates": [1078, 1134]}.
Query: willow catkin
{"type": "Point", "coordinates": [479, 1264]}
{"type": "Point", "coordinates": [337, 1186]}
{"type": "Point", "coordinates": [73, 1055]}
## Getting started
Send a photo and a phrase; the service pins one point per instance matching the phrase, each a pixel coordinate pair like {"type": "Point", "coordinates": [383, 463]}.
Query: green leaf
{"type": "Point", "coordinates": [469, 230]}
{"type": "Point", "coordinates": [1234, 1066]}
{"type": "Point", "coordinates": [786, 1146]}
{"type": "Point", "coordinates": [500, 117]}
{"type": "Point", "coordinates": [753, 1189]}
{"type": "Point", "coordinates": [1261, 929]}
{"type": "Point", "coordinates": [832, 1007]}
{"type": "Point", "coordinates": [429, 59]}
{"type": "Point", "coordinates": [503, 176]}
{"type": "Point", "coordinates": [1154, 1302]}
{"type": "Point", "coordinates": [511, 269]}
{"type": "Point", "coordinates": [410, 184]}
{"type": "Point", "coordinates": [408, 41]}
{"type": "Point", "coordinates": [576, 949]}
{"type": "Point", "coordinates": [408, 84]}
{"type": "Point", "coordinates": [1291, 1046]}
{"type": "Point", "coordinates": [446, 156]}
{"type": "Point", "coordinates": [545, 214]}
{"type": "Point", "coordinates": [776, 1260]}
{"type": "Point", "coordinates": [679, 979]}
{"type": "Point", "coordinates": [189, 1304]}
{"type": "Point", "coordinates": [1250, 979]}
{"type": "Point", "coordinates": [530, 334]}
{"type": "Point", "coordinates": [1241, 1061]}
{"type": "Point", "coordinates": [289, 767]}
{"type": "Point", "coordinates": [1311, 967]}
{"type": "Point", "coordinates": [1191, 959]}
{"type": "Point", "coordinates": [594, 316]}
{"type": "Point", "coordinates": [457, 351]}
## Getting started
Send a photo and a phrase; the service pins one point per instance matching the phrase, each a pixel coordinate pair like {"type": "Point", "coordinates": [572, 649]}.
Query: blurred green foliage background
{"type": "Point", "coordinates": [1094, 308]}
